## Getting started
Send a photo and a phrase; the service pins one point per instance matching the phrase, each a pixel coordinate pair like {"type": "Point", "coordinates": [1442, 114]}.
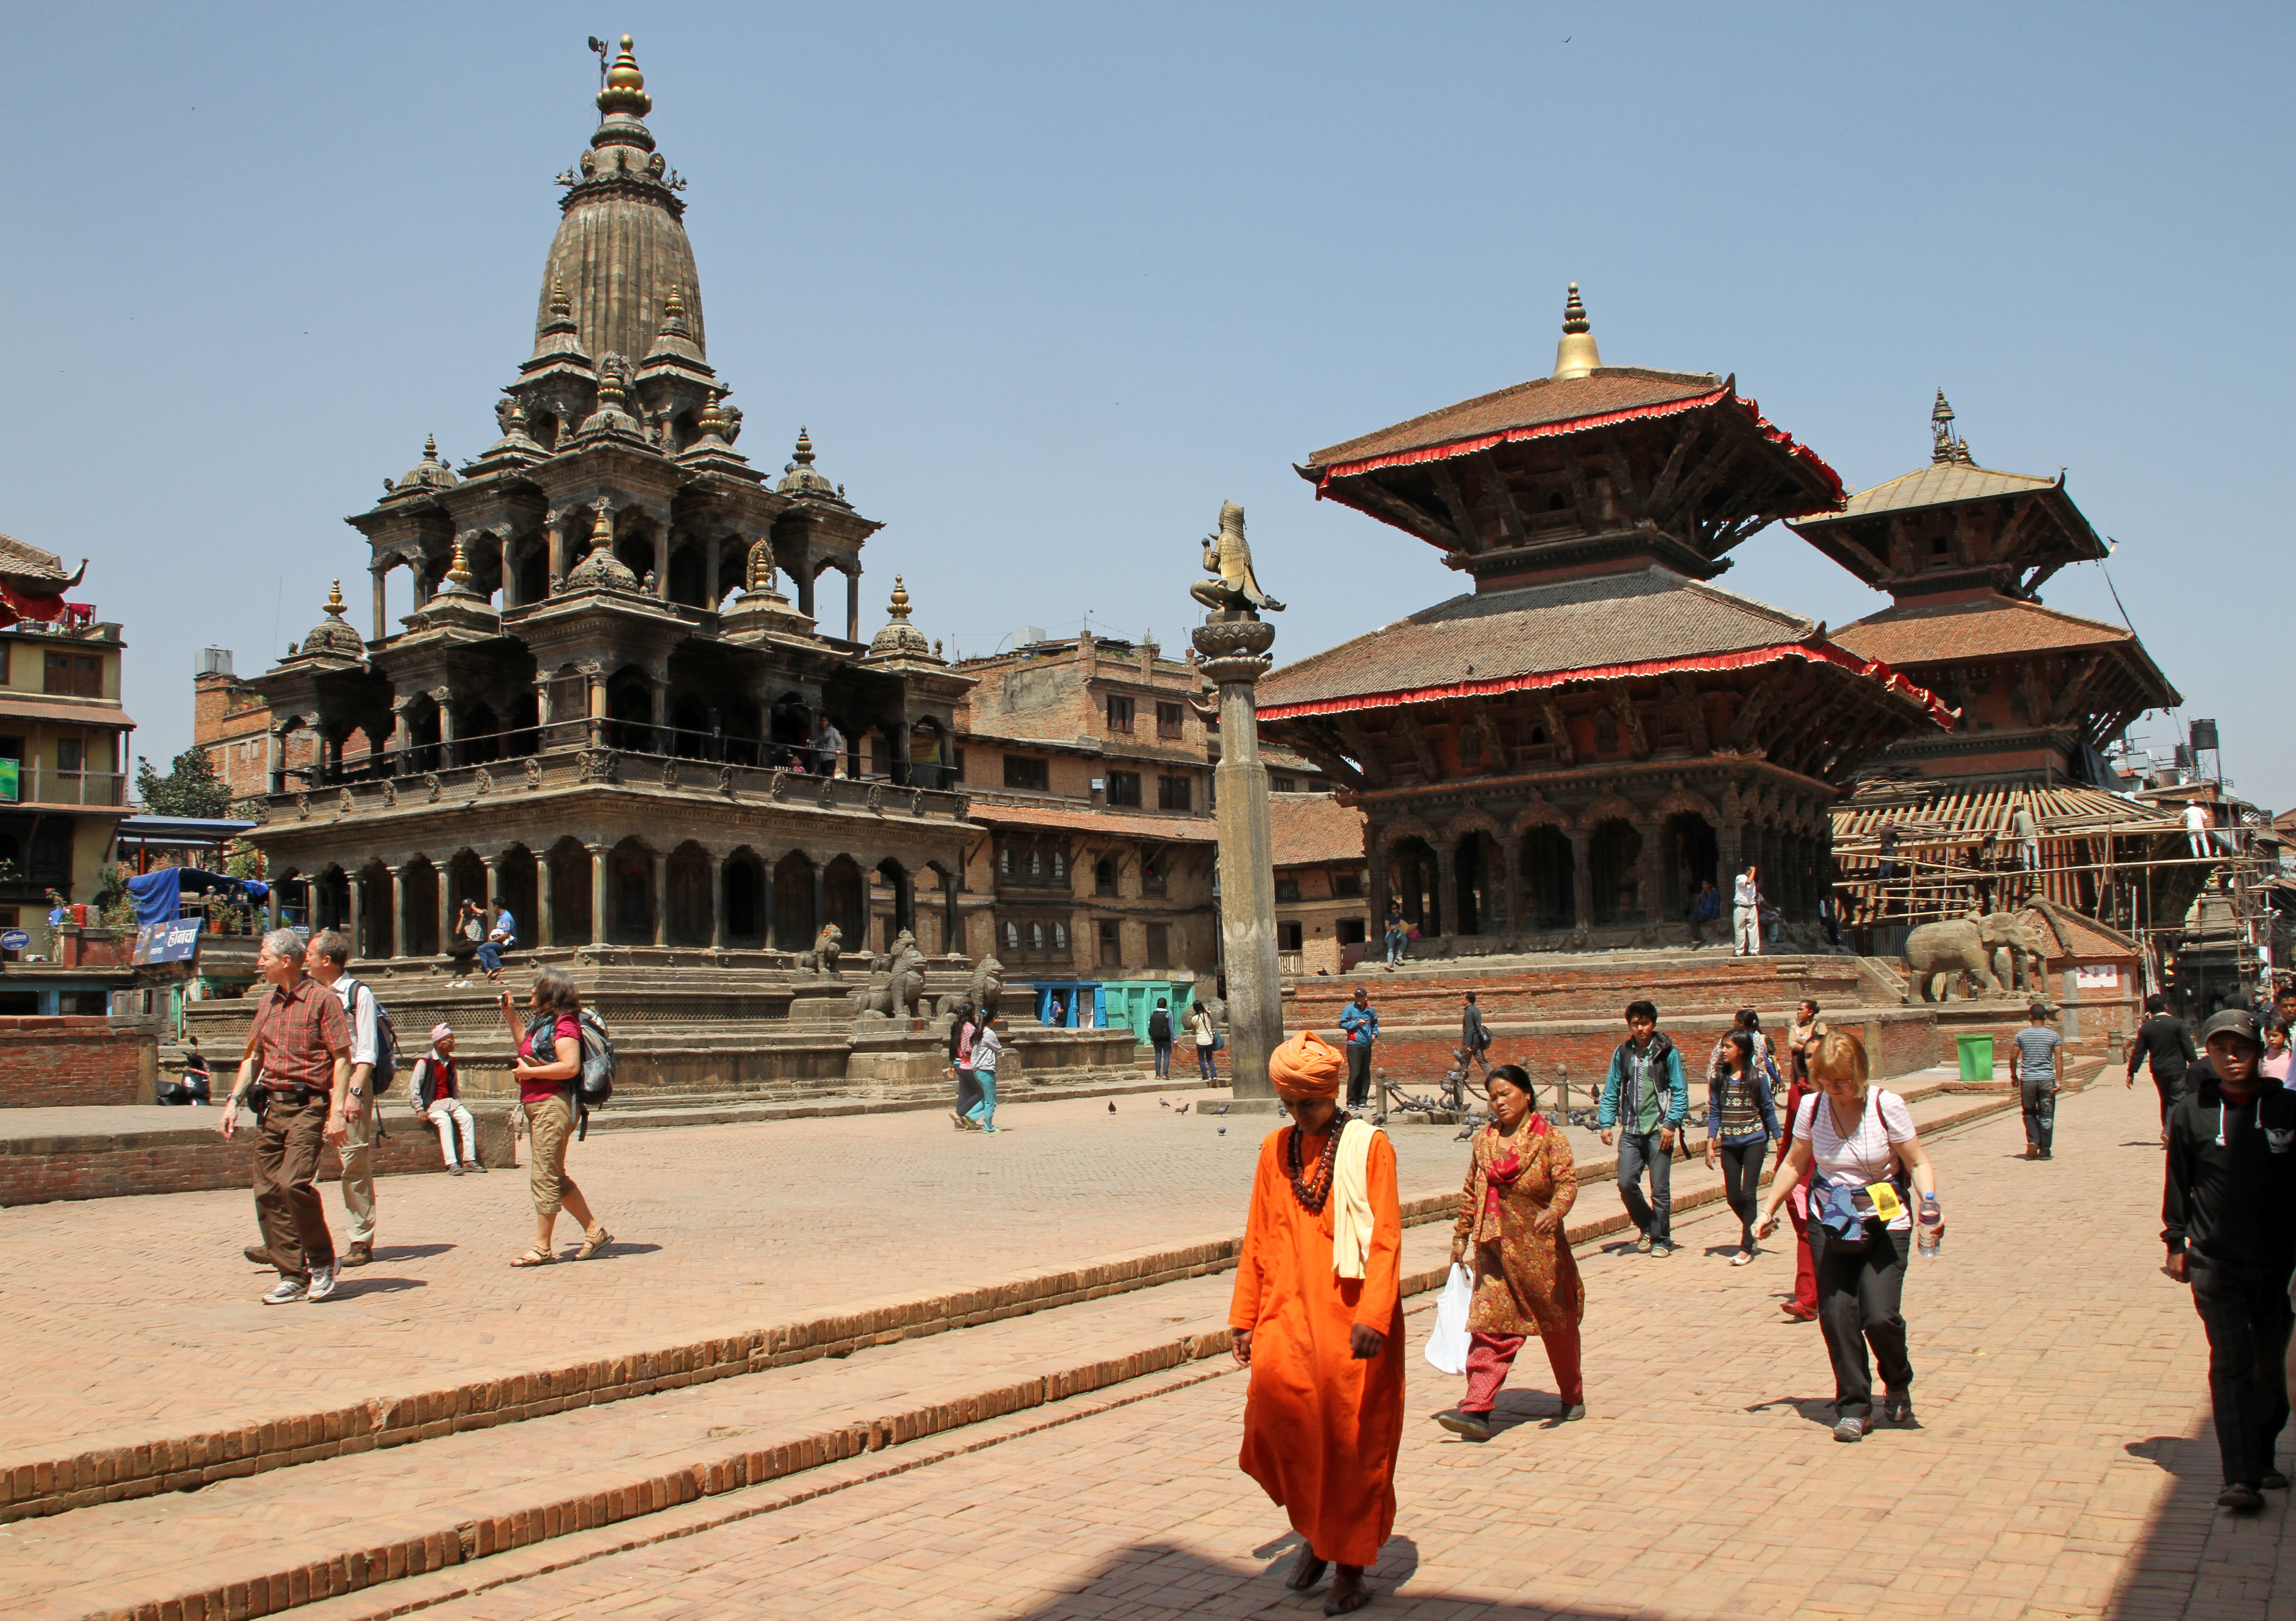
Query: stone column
{"type": "Point", "coordinates": [1657, 904]}
{"type": "Point", "coordinates": [402, 915]}
{"type": "Point", "coordinates": [658, 705]}
{"type": "Point", "coordinates": [1511, 882]}
{"type": "Point", "coordinates": [354, 883]}
{"type": "Point", "coordinates": [445, 910]}
{"type": "Point", "coordinates": [714, 555]}
{"type": "Point", "coordinates": [1582, 877]}
{"type": "Point", "coordinates": [662, 563]}
{"type": "Point", "coordinates": [598, 854]}
{"type": "Point", "coordinates": [275, 761]}
{"type": "Point", "coordinates": [1233, 646]}
{"type": "Point", "coordinates": [853, 605]}
{"type": "Point", "coordinates": [716, 886]}
{"type": "Point", "coordinates": [661, 899]}
{"type": "Point", "coordinates": [444, 698]}
{"type": "Point", "coordinates": [805, 577]}
{"type": "Point", "coordinates": [952, 926]}
{"type": "Point", "coordinates": [1446, 888]}
{"type": "Point", "coordinates": [1729, 847]}
{"type": "Point", "coordinates": [820, 907]}
{"type": "Point", "coordinates": [557, 533]}
{"type": "Point", "coordinates": [545, 900]}
{"type": "Point", "coordinates": [382, 603]}
{"type": "Point", "coordinates": [765, 897]}
{"type": "Point", "coordinates": [596, 680]}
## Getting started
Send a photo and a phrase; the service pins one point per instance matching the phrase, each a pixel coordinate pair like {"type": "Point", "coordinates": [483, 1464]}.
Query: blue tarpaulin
{"type": "Point", "coordinates": [158, 894]}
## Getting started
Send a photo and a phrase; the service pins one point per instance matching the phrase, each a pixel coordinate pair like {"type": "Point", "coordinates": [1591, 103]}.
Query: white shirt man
{"type": "Point", "coordinates": [1746, 916]}
{"type": "Point", "coordinates": [327, 954]}
{"type": "Point", "coordinates": [2196, 827]}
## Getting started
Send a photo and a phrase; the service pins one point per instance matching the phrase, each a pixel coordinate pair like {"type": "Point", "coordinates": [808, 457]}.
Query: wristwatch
{"type": "Point", "coordinates": [358, 1092]}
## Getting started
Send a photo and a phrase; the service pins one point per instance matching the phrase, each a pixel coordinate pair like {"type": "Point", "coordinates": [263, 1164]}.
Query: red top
{"type": "Point", "coordinates": [297, 1034]}
{"type": "Point", "coordinates": [530, 1090]}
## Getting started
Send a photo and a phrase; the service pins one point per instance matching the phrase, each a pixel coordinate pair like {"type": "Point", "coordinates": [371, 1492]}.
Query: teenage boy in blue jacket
{"type": "Point", "coordinates": [1644, 1099]}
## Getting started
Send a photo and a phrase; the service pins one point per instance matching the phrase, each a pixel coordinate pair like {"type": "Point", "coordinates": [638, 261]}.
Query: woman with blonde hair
{"type": "Point", "coordinates": [549, 1068]}
{"type": "Point", "coordinates": [1862, 1143]}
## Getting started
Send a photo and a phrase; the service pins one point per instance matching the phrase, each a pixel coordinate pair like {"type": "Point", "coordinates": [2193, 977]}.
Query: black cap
{"type": "Point", "coordinates": [2232, 1021]}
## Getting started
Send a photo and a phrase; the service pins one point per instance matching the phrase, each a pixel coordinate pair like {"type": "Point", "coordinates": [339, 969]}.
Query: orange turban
{"type": "Point", "coordinates": [1306, 1066]}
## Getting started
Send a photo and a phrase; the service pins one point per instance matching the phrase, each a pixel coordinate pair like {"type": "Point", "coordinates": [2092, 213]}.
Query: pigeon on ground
{"type": "Point", "coordinates": [1163, 1103]}
{"type": "Point", "coordinates": [1223, 1131]}
{"type": "Point", "coordinates": [1221, 1110]}
{"type": "Point", "coordinates": [1111, 1106]}
{"type": "Point", "coordinates": [1181, 1110]}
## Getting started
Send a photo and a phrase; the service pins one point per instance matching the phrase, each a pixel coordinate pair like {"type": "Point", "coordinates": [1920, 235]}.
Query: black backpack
{"type": "Point", "coordinates": [1159, 1026]}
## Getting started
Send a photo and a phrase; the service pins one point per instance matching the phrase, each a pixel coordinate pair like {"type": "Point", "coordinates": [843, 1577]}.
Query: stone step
{"type": "Point", "coordinates": [352, 1526]}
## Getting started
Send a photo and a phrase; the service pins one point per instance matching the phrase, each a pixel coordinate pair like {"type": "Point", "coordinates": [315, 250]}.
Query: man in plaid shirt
{"type": "Point", "coordinates": [298, 1050]}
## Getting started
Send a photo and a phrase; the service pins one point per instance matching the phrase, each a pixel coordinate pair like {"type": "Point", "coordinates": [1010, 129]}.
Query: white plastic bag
{"type": "Point", "coordinates": [1447, 1346]}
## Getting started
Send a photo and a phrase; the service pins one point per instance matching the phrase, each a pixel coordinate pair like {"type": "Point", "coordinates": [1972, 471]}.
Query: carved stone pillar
{"type": "Point", "coordinates": [1511, 884]}
{"type": "Point", "coordinates": [1233, 645]}
{"type": "Point", "coordinates": [1658, 904]}
{"type": "Point", "coordinates": [1582, 877]}
{"type": "Point", "coordinates": [853, 605]}
{"type": "Point", "coordinates": [545, 900]}
{"type": "Point", "coordinates": [402, 913]}
{"type": "Point", "coordinates": [714, 559]}
{"type": "Point", "coordinates": [1446, 889]}
{"type": "Point", "coordinates": [381, 602]}
{"type": "Point", "coordinates": [766, 898]}
{"type": "Point", "coordinates": [658, 705]}
{"type": "Point", "coordinates": [820, 907]}
{"type": "Point", "coordinates": [444, 698]}
{"type": "Point", "coordinates": [275, 761]}
{"type": "Point", "coordinates": [598, 854]}
{"type": "Point", "coordinates": [445, 912]}
{"type": "Point", "coordinates": [717, 892]}
{"type": "Point", "coordinates": [556, 532]}
{"type": "Point", "coordinates": [1729, 847]}
{"type": "Point", "coordinates": [951, 936]}
{"type": "Point", "coordinates": [661, 899]}
{"type": "Point", "coordinates": [356, 885]}
{"type": "Point", "coordinates": [493, 879]}
{"type": "Point", "coordinates": [596, 680]}
{"type": "Point", "coordinates": [805, 575]}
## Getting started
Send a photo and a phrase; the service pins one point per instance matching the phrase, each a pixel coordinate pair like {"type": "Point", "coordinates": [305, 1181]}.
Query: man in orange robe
{"type": "Point", "coordinates": [1318, 1318]}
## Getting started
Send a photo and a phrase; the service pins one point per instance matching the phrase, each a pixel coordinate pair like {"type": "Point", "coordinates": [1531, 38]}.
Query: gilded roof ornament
{"type": "Point", "coordinates": [429, 472]}
{"type": "Point", "coordinates": [602, 568]}
{"type": "Point", "coordinates": [1576, 355]}
{"type": "Point", "coordinates": [801, 480]}
{"type": "Point", "coordinates": [332, 637]}
{"type": "Point", "coordinates": [459, 577]}
{"type": "Point", "coordinates": [900, 639]}
{"type": "Point", "coordinates": [1946, 445]}
{"type": "Point", "coordinates": [625, 90]}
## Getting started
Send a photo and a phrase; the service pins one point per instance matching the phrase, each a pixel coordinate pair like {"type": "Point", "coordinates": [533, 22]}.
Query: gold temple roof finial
{"type": "Point", "coordinates": [1576, 355]}
{"type": "Point", "coordinates": [1946, 445]}
{"type": "Point", "coordinates": [560, 305]}
{"type": "Point", "coordinates": [458, 574]}
{"type": "Point", "coordinates": [625, 90]}
{"type": "Point", "coordinates": [335, 607]}
{"type": "Point", "coordinates": [601, 533]}
{"type": "Point", "coordinates": [900, 605]}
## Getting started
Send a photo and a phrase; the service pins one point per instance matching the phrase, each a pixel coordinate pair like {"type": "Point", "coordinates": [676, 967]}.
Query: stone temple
{"type": "Point", "coordinates": [606, 711]}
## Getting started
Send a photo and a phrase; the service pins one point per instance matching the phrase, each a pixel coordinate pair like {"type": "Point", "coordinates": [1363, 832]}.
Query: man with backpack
{"type": "Point", "coordinates": [1644, 1099]}
{"type": "Point", "coordinates": [1159, 1037]}
{"type": "Point", "coordinates": [374, 1060]}
{"type": "Point", "coordinates": [1474, 1038]}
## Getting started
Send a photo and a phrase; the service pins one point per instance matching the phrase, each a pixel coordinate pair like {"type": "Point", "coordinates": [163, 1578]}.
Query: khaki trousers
{"type": "Point", "coordinates": [358, 1172]}
{"type": "Point", "coordinates": [551, 1124]}
{"type": "Point", "coordinates": [287, 1203]}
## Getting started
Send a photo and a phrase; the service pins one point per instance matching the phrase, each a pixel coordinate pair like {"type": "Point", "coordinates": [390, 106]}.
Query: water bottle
{"type": "Point", "coordinates": [1932, 1226]}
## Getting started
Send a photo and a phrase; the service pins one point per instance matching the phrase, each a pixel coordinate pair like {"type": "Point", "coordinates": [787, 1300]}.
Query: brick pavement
{"type": "Point", "coordinates": [2056, 1472]}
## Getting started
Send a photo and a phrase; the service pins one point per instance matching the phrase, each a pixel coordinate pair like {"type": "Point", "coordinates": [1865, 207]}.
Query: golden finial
{"type": "Point", "coordinates": [335, 600]}
{"type": "Point", "coordinates": [1576, 355]}
{"type": "Point", "coordinates": [625, 90]}
{"type": "Point", "coordinates": [901, 607]}
{"type": "Point", "coordinates": [601, 533]}
{"type": "Point", "coordinates": [560, 306]}
{"type": "Point", "coordinates": [429, 447]}
{"type": "Point", "coordinates": [459, 574]}
{"type": "Point", "coordinates": [673, 308]}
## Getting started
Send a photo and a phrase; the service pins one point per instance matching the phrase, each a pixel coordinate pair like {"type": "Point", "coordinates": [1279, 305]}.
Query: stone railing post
{"type": "Point", "coordinates": [1233, 646]}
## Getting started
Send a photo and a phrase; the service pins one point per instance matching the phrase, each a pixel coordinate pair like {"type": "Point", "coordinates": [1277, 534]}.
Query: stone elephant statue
{"type": "Point", "coordinates": [2019, 950]}
{"type": "Point", "coordinates": [1941, 953]}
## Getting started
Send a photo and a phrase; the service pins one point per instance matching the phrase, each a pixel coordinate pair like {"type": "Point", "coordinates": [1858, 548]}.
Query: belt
{"type": "Point", "coordinates": [296, 1096]}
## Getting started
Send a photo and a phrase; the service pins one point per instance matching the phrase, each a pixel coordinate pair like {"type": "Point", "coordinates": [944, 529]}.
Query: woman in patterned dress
{"type": "Point", "coordinates": [1520, 1187]}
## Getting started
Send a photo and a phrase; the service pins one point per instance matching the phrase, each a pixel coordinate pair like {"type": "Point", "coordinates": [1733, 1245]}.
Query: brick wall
{"type": "Point", "coordinates": [39, 1170]}
{"type": "Point", "coordinates": [55, 1062]}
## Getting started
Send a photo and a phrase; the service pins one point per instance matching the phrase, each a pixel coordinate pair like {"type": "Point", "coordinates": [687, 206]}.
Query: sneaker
{"type": "Point", "coordinates": [1849, 1429]}
{"type": "Point", "coordinates": [1643, 1244]}
{"type": "Point", "coordinates": [1897, 1407]}
{"type": "Point", "coordinates": [454, 1170]}
{"type": "Point", "coordinates": [285, 1292]}
{"type": "Point", "coordinates": [992, 1131]}
{"type": "Point", "coordinates": [472, 1164]}
{"type": "Point", "coordinates": [1663, 1246]}
{"type": "Point", "coordinates": [1468, 1424]}
{"type": "Point", "coordinates": [322, 1280]}
{"type": "Point", "coordinates": [2241, 1498]}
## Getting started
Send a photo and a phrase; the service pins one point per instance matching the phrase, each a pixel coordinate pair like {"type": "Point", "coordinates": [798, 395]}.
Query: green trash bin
{"type": "Point", "coordinates": [1976, 1057]}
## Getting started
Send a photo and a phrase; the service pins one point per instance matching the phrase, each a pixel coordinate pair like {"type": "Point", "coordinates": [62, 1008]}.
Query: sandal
{"type": "Point", "coordinates": [535, 1257]}
{"type": "Point", "coordinates": [593, 1242]}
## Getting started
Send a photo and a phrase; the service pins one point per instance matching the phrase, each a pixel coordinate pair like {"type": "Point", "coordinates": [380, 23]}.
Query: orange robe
{"type": "Point", "coordinates": [1321, 1430]}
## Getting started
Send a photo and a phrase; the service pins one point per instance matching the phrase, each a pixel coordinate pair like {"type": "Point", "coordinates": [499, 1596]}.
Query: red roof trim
{"type": "Point", "coordinates": [1601, 419]}
{"type": "Point", "coordinates": [1746, 658]}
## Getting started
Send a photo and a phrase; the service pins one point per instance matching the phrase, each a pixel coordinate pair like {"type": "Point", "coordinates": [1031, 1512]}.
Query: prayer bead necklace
{"type": "Point", "coordinates": [1313, 1194]}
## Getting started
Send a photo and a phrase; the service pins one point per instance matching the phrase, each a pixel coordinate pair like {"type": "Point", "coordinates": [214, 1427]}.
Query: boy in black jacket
{"type": "Point", "coordinates": [2229, 1221]}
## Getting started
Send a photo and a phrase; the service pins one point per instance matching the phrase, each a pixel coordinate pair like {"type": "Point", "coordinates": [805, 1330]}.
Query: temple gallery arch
{"type": "Point", "coordinates": [1614, 857]}
{"type": "Point", "coordinates": [687, 882]}
{"type": "Point", "coordinates": [1474, 870]}
{"type": "Point", "coordinates": [516, 877]}
{"type": "Point", "coordinates": [377, 904]}
{"type": "Point", "coordinates": [1694, 856]}
{"type": "Point", "coordinates": [630, 893]}
{"type": "Point", "coordinates": [569, 894]}
{"type": "Point", "coordinates": [418, 908]}
{"type": "Point", "coordinates": [744, 879]}
{"type": "Point", "coordinates": [1413, 880]}
{"type": "Point", "coordinates": [902, 889]}
{"type": "Point", "coordinates": [793, 910]}
{"type": "Point", "coordinates": [1548, 874]}
{"type": "Point", "coordinates": [845, 901]}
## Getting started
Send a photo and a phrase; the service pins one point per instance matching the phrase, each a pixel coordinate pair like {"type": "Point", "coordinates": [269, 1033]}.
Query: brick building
{"type": "Point", "coordinates": [232, 721]}
{"type": "Point", "coordinates": [1321, 882]}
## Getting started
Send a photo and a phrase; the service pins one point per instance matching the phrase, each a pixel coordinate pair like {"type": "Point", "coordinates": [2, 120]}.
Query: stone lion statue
{"type": "Point", "coordinates": [987, 983]}
{"type": "Point", "coordinates": [823, 958]}
{"type": "Point", "coordinates": [904, 982]}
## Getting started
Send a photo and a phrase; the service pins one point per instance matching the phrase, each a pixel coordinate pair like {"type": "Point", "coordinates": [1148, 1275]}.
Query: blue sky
{"type": "Point", "coordinates": [1049, 284]}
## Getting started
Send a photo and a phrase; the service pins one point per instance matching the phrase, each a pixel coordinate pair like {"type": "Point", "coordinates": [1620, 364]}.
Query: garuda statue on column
{"type": "Point", "coordinates": [1229, 556]}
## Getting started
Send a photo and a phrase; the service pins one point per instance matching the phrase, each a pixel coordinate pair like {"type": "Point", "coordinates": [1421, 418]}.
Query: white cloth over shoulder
{"type": "Point", "coordinates": [1351, 1199]}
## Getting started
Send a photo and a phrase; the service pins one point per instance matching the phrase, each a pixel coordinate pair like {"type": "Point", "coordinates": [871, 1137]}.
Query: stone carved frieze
{"type": "Point", "coordinates": [533, 773]}
{"type": "Point", "coordinates": [669, 773]}
{"type": "Point", "coordinates": [482, 783]}
{"type": "Point", "coordinates": [828, 792]}
{"type": "Point", "coordinates": [725, 780]}
{"type": "Point", "coordinates": [303, 807]}
{"type": "Point", "coordinates": [344, 804]}
{"type": "Point", "coordinates": [598, 765]}
{"type": "Point", "coordinates": [916, 801]}
{"type": "Point", "coordinates": [876, 800]}
{"type": "Point", "coordinates": [431, 788]}
{"type": "Point", "coordinates": [778, 788]}
{"type": "Point", "coordinates": [389, 793]}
